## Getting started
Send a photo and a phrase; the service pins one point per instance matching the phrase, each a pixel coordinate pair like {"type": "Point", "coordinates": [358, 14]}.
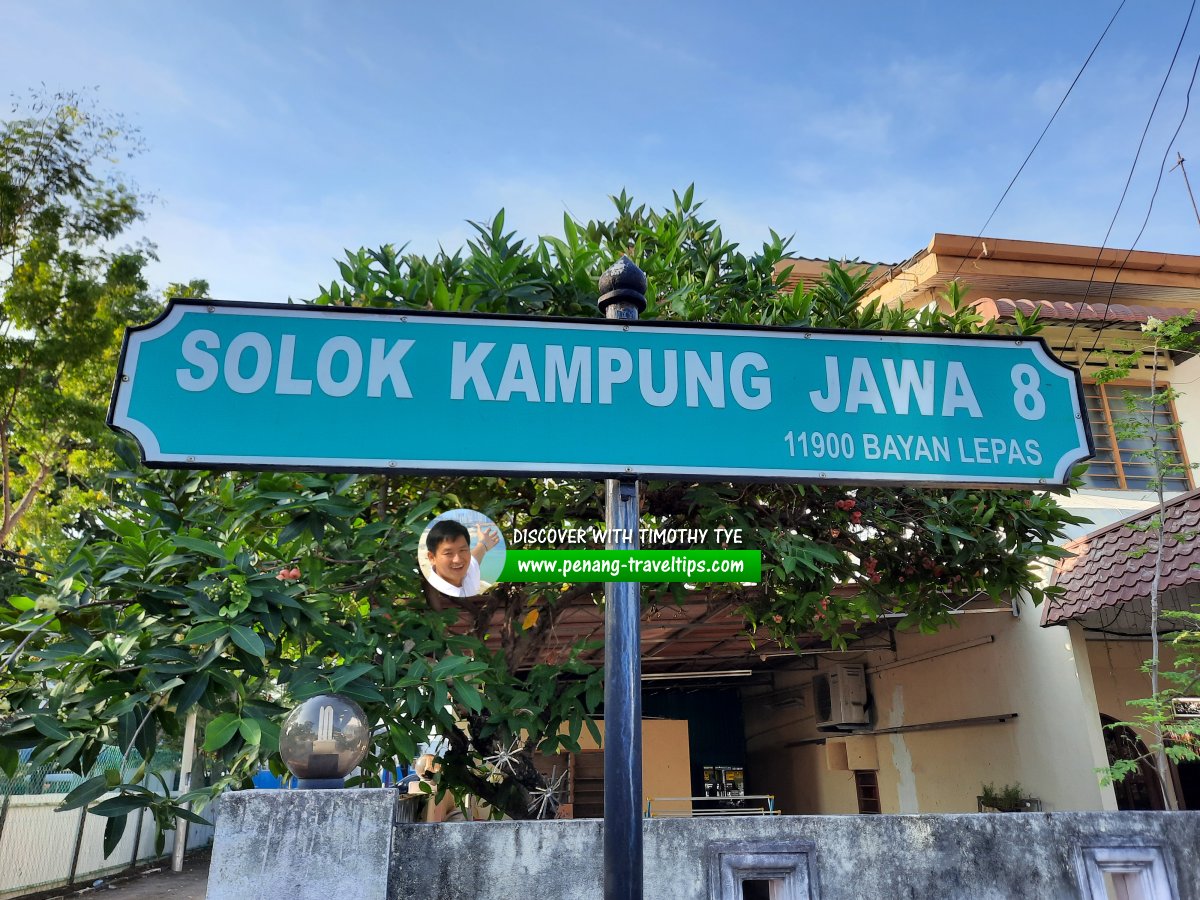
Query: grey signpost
{"type": "Point", "coordinates": [622, 296]}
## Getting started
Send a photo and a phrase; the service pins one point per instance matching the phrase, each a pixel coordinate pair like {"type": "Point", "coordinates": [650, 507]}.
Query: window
{"type": "Point", "coordinates": [1116, 464]}
{"type": "Point", "coordinates": [866, 786]}
{"type": "Point", "coordinates": [587, 778]}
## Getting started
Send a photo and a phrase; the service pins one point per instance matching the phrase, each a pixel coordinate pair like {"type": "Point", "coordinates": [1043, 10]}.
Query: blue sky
{"type": "Point", "coordinates": [279, 133]}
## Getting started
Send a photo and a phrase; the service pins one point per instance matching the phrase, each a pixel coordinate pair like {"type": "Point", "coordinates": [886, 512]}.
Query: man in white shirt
{"type": "Point", "coordinates": [455, 566]}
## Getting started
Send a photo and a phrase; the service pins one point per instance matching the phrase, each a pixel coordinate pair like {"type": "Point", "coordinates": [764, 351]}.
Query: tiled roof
{"type": "Point", "coordinates": [1106, 571]}
{"type": "Point", "coordinates": [1114, 314]}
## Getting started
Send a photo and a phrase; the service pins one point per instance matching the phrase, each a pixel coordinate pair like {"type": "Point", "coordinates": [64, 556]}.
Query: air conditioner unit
{"type": "Point", "coordinates": [840, 698]}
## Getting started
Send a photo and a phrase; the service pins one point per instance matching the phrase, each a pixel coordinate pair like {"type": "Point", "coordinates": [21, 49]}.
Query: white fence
{"type": "Point", "coordinates": [42, 849]}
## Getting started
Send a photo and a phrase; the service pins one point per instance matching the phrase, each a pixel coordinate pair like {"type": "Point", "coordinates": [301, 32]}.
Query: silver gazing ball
{"type": "Point", "coordinates": [324, 737]}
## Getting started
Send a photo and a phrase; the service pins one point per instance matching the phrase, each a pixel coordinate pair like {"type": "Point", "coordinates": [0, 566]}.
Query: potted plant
{"type": "Point", "coordinates": [1009, 798]}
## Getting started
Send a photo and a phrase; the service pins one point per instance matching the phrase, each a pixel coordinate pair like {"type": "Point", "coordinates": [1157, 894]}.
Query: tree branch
{"type": "Point", "coordinates": [10, 522]}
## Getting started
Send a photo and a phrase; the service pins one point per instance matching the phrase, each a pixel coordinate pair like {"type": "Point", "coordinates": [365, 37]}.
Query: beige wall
{"type": "Point", "coordinates": [1116, 671]}
{"type": "Point", "coordinates": [1118, 676]}
{"type": "Point", "coordinates": [1051, 748]}
{"type": "Point", "coordinates": [1185, 378]}
{"type": "Point", "coordinates": [666, 764]}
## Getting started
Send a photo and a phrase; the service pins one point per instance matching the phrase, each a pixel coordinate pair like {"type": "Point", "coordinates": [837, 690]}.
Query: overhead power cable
{"type": "Point", "coordinates": [1129, 178]}
{"type": "Point", "coordinates": [1036, 143]}
{"type": "Point", "coordinates": [1149, 208]}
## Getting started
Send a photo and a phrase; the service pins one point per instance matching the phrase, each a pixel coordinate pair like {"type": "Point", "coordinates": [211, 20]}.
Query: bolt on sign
{"type": "Point", "coordinates": [239, 385]}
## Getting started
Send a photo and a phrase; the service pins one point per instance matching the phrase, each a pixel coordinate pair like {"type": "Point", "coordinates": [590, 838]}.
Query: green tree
{"type": "Point", "coordinates": [65, 297]}
{"type": "Point", "coordinates": [244, 594]}
{"type": "Point", "coordinates": [1145, 424]}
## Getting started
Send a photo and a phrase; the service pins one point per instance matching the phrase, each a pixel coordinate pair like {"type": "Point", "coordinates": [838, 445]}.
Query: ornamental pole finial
{"type": "Point", "coordinates": [623, 282]}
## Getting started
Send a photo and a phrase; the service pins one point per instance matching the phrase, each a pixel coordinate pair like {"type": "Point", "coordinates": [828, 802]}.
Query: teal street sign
{"type": "Point", "coordinates": [225, 385]}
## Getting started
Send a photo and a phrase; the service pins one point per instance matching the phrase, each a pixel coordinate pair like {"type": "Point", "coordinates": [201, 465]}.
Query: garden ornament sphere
{"type": "Point", "coordinates": [323, 740]}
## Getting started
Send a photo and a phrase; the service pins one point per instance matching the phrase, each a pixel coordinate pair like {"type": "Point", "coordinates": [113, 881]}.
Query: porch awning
{"type": "Point", "coordinates": [1108, 571]}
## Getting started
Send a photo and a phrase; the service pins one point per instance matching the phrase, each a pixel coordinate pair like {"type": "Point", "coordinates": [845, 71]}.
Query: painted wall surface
{"type": "Point", "coordinates": [1184, 378]}
{"type": "Point", "coordinates": [991, 665]}
{"type": "Point", "coordinates": [666, 770]}
{"type": "Point", "coordinates": [1117, 673]}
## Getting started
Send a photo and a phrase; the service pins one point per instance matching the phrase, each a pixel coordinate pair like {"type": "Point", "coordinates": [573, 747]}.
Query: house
{"type": "Point", "coordinates": [1013, 695]}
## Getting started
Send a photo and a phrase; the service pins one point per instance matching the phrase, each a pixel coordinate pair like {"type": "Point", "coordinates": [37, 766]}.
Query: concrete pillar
{"type": "Point", "coordinates": [303, 845]}
{"type": "Point", "coordinates": [1057, 731]}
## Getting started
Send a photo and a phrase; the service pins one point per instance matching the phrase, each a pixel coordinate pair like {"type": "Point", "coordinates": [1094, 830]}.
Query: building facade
{"type": "Point", "coordinates": [1018, 695]}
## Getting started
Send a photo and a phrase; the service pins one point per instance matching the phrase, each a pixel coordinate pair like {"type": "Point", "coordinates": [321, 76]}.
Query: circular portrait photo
{"type": "Point", "coordinates": [461, 553]}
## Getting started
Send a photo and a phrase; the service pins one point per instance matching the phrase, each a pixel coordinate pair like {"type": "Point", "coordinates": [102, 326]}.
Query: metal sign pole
{"type": "Point", "coordinates": [622, 296]}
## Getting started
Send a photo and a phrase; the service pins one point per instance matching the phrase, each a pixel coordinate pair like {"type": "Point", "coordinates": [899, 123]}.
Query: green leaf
{"type": "Point", "coordinates": [146, 742]}
{"type": "Point", "coordinates": [421, 510]}
{"type": "Point", "coordinates": [119, 806]}
{"type": "Point", "coordinates": [294, 529]}
{"type": "Point", "coordinates": [208, 548]}
{"type": "Point", "coordinates": [269, 736]}
{"type": "Point", "coordinates": [450, 665]}
{"type": "Point", "coordinates": [182, 812]}
{"type": "Point", "coordinates": [123, 527]}
{"type": "Point", "coordinates": [302, 689]}
{"type": "Point", "coordinates": [247, 640]}
{"type": "Point", "coordinates": [250, 731]}
{"type": "Point", "coordinates": [403, 743]}
{"type": "Point", "coordinates": [185, 698]}
{"type": "Point", "coordinates": [343, 675]}
{"type": "Point", "coordinates": [363, 691]}
{"type": "Point", "coordinates": [9, 760]}
{"type": "Point", "coordinates": [50, 727]}
{"type": "Point", "coordinates": [220, 731]}
{"type": "Point", "coordinates": [114, 828]}
{"type": "Point", "coordinates": [468, 696]}
{"type": "Point", "coordinates": [206, 632]}
{"type": "Point", "coordinates": [84, 793]}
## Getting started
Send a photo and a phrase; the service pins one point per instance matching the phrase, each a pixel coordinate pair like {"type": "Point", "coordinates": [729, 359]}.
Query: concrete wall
{"type": "Point", "coordinates": [974, 857]}
{"type": "Point", "coordinates": [991, 664]}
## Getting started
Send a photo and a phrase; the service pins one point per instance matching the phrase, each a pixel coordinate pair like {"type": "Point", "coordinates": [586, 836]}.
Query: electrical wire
{"type": "Point", "coordinates": [1150, 208]}
{"type": "Point", "coordinates": [1036, 143]}
{"type": "Point", "coordinates": [1129, 178]}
